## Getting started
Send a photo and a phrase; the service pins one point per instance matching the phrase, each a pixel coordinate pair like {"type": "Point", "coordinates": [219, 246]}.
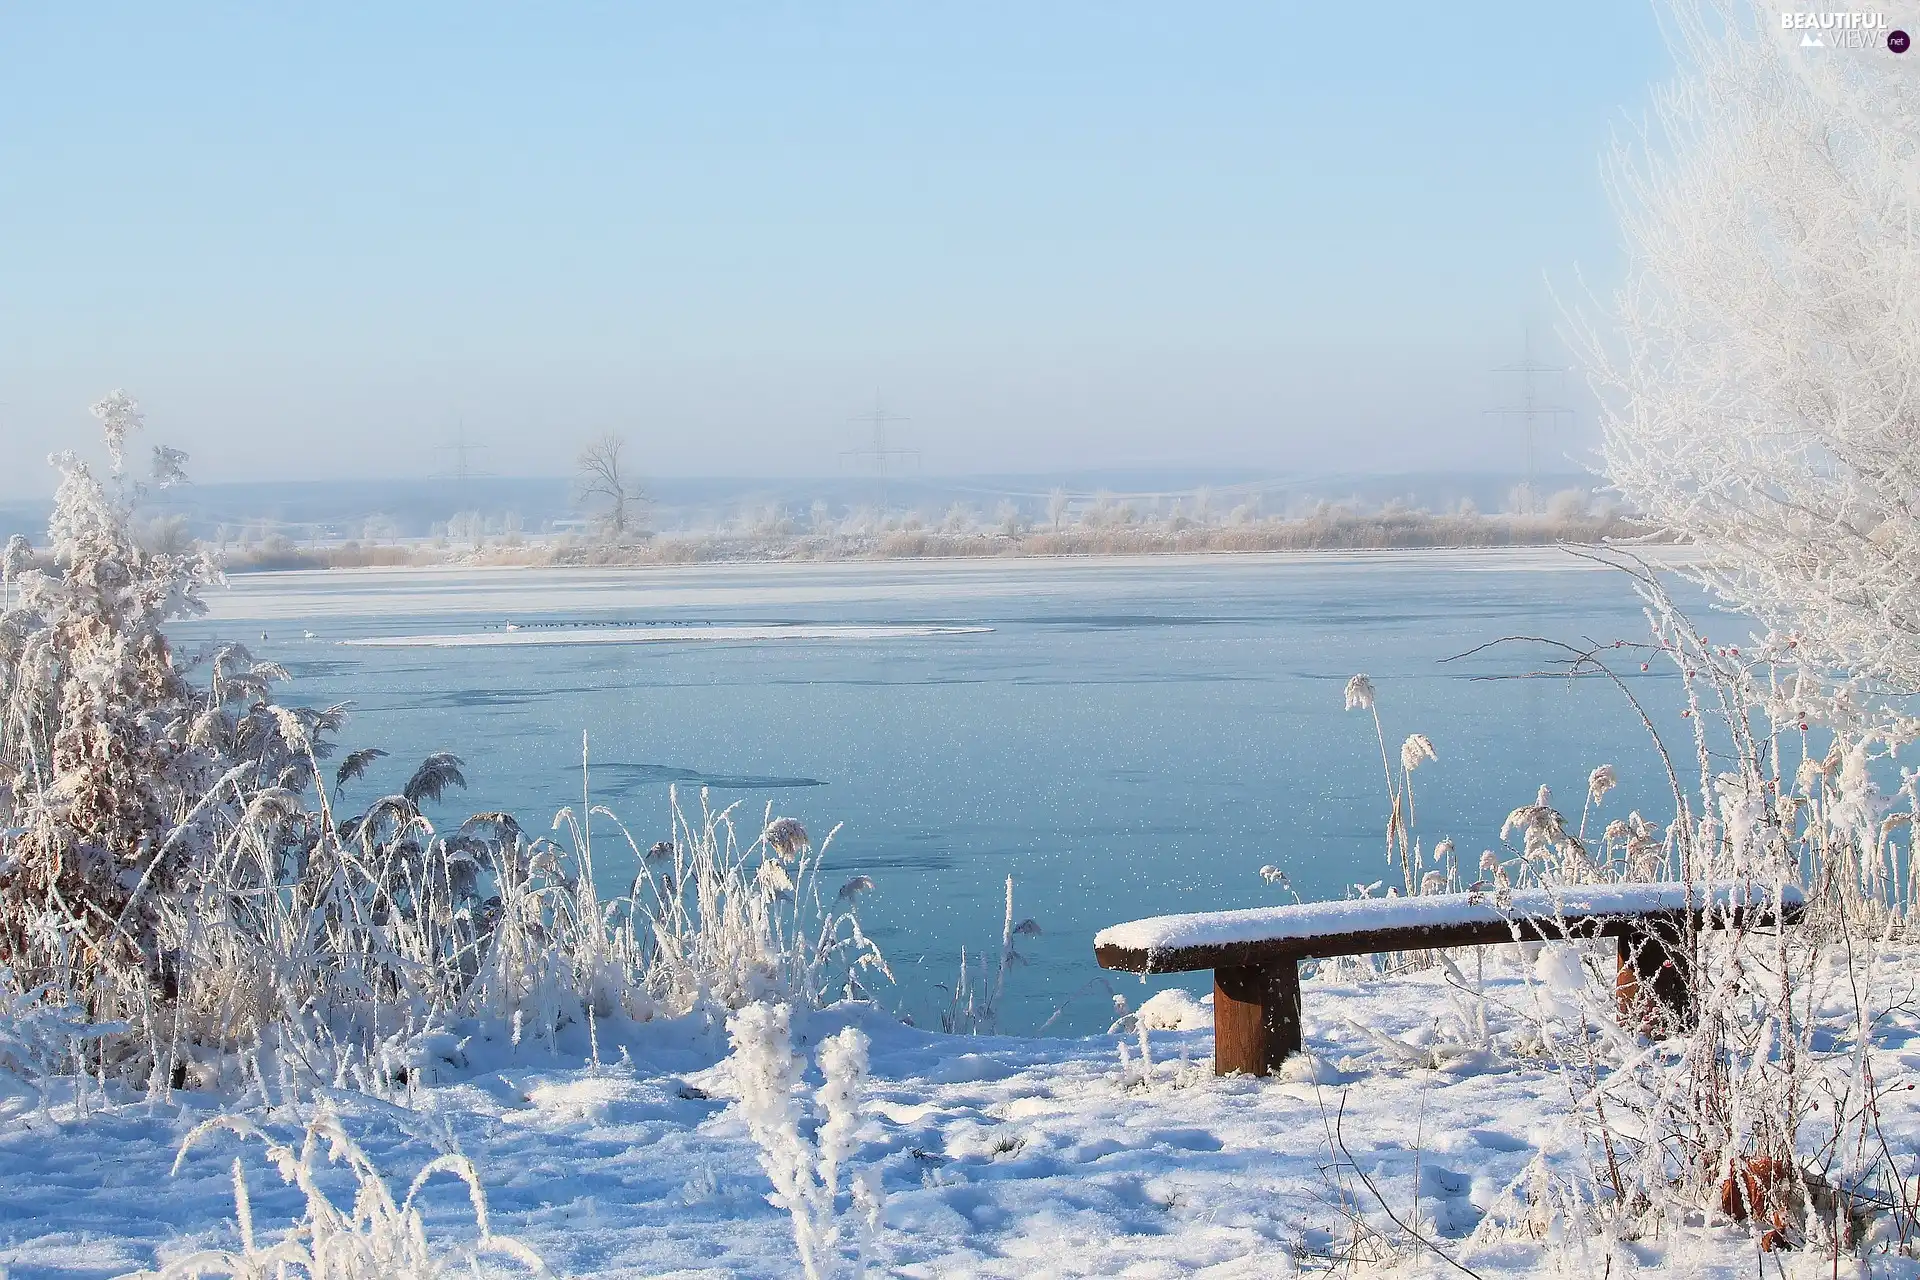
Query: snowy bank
{"type": "Point", "coordinates": [1000, 1156]}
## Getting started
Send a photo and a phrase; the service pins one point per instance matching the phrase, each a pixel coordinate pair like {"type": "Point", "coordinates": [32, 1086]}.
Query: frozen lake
{"type": "Point", "coordinates": [1123, 737]}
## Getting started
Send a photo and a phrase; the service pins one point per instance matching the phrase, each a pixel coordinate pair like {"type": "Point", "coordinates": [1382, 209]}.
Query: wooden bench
{"type": "Point", "coordinates": [1255, 955]}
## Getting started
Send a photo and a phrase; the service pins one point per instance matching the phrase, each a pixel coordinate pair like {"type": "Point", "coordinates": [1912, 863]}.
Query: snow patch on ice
{"type": "Point", "coordinates": [655, 635]}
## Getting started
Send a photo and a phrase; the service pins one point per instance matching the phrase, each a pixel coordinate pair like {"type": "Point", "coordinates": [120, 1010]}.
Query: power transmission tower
{"type": "Point", "coordinates": [459, 447]}
{"type": "Point", "coordinates": [1530, 411]}
{"type": "Point", "coordinates": [461, 471]}
{"type": "Point", "coordinates": [879, 450]}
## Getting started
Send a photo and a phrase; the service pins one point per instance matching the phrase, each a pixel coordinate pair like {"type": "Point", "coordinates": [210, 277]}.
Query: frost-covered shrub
{"type": "Point", "coordinates": [106, 751]}
{"type": "Point", "coordinates": [1767, 1101]}
{"type": "Point", "coordinates": [171, 852]}
{"type": "Point", "coordinates": [1761, 1106]}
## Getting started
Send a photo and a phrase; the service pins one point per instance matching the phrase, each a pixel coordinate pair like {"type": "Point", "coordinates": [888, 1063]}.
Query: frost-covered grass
{"type": "Point", "coordinates": [376, 1236]}
{"type": "Point", "coordinates": [1763, 1104]}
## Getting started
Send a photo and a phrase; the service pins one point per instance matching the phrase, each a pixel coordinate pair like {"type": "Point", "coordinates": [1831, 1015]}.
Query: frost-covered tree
{"type": "Point", "coordinates": [606, 488]}
{"type": "Point", "coordinates": [467, 529]}
{"type": "Point", "coordinates": [1761, 385]}
{"type": "Point", "coordinates": [1567, 505]}
{"type": "Point", "coordinates": [1058, 504]}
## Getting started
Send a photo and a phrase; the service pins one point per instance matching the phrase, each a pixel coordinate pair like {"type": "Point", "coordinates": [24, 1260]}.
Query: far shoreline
{"type": "Point", "coordinates": [1345, 535]}
{"type": "Point", "coordinates": [1531, 555]}
{"type": "Point", "coordinates": [1659, 555]}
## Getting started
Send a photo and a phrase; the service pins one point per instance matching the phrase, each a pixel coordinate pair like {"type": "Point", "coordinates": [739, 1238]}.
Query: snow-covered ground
{"type": "Point", "coordinates": [1000, 1156]}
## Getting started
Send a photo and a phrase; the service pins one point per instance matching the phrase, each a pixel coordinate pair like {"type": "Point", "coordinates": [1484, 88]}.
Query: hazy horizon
{"type": "Point", "coordinates": [410, 506]}
{"type": "Point", "coordinates": [326, 244]}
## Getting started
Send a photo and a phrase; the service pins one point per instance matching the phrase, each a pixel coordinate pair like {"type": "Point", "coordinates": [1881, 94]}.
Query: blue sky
{"type": "Point", "coordinates": [313, 240]}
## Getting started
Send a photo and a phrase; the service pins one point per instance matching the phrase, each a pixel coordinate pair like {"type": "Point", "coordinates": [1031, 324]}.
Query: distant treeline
{"type": "Point", "coordinates": [1335, 530]}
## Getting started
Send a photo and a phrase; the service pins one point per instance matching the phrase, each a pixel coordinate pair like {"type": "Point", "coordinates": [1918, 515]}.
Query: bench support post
{"type": "Point", "coordinates": [1652, 986]}
{"type": "Point", "coordinates": [1256, 1017]}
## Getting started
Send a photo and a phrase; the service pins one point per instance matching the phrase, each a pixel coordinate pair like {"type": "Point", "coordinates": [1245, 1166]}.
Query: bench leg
{"type": "Point", "coordinates": [1256, 1017]}
{"type": "Point", "coordinates": [1652, 985]}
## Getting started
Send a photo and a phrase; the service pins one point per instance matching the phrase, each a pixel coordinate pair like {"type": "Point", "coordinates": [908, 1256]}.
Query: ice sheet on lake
{"type": "Point", "coordinates": [658, 635]}
{"type": "Point", "coordinates": [312, 594]}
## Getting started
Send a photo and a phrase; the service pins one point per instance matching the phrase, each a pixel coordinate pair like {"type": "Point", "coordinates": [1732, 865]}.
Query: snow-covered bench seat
{"type": "Point", "coordinates": [1255, 954]}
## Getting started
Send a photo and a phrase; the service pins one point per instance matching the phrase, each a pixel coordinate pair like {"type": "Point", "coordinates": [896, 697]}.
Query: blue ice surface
{"type": "Point", "coordinates": [1129, 739]}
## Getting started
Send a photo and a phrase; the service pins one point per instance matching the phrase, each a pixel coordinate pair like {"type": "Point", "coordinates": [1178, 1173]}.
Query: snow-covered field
{"type": "Point", "coordinates": [999, 1156]}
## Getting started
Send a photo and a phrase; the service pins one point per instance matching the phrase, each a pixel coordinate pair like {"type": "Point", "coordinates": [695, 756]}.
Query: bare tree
{"type": "Point", "coordinates": [1761, 375]}
{"type": "Point", "coordinates": [605, 488]}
